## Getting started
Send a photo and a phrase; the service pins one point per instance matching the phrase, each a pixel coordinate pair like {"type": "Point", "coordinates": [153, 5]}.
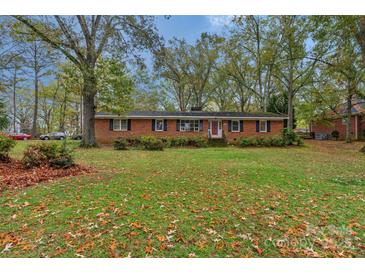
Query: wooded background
{"type": "Point", "coordinates": [57, 71]}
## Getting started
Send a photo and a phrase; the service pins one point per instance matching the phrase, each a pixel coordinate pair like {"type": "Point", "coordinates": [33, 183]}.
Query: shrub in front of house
{"type": "Point", "coordinates": [6, 144]}
{"type": "Point", "coordinates": [152, 143]}
{"type": "Point", "coordinates": [290, 137]}
{"type": "Point", "coordinates": [244, 142]}
{"type": "Point", "coordinates": [166, 141]}
{"type": "Point", "coordinates": [277, 141]}
{"type": "Point", "coordinates": [179, 141]}
{"type": "Point", "coordinates": [198, 142]}
{"type": "Point", "coordinates": [120, 144]}
{"type": "Point", "coordinates": [335, 134]}
{"type": "Point", "coordinates": [134, 141]}
{"type": "Point", "coordinates": [272, 141]}
{"type": "Point", "coordinates": [47, 154]}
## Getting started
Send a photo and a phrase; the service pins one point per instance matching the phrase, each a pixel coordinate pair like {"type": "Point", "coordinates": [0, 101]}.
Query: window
{"type": "Point", "coordinates": [189, 125]}
{"type": "Point", "coordinates": [263, 126]}
{"type": "Point", "coordinates": [159, 125]}
{"type": "Point", "coordinates": [120, 124]}
{"type": "Point", "coordinates": [235, 126]}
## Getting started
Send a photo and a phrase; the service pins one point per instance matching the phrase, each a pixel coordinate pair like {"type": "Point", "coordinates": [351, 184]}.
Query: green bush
{"type": "Point", "coordinates": [47, 154]}
{"type": "Point", "coordinates": [244, 142]}
{"type": "Point", "coordinates": [198, 142]}
{"type": "Point", "coordinates": [335, 134]}
{"type": "Point", "coordinates": [166, 141]}
{"type": "Point", "coordinates": [63, 157]}
{"type": "Point", "coordinates": [6, 144]}
{"type": "Point", "coordinates": [152, 143]}
{"type": "Point", "coordinates": [272, 141]}
{"type": "Point", "coordinates": [277, 141]}
{"type": "Point", "coordinates": [134, 141]}
{"type": "Point", "coordinates": [267, 142]}
{"type": "Point", "coordinates": [120, 144]}
{"type": "Point", "coordinates": [290, 137]}
{"type": "Point", "coordinates": [179, 141]}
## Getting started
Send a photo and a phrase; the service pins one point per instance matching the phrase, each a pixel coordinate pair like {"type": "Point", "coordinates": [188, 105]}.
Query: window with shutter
{"type": "Point", "coordinates": [235, 126]}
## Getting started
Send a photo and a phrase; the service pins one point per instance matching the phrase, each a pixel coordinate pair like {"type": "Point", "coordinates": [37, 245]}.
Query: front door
{"type": "Point", "coordinates": [215, 129]}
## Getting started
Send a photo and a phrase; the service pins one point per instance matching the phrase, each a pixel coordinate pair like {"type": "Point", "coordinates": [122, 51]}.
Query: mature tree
{"type": "Point", "coordinates": [203, 60]}
{"type": "Point", "coordinates": [223, 94]}
{"type": "Point", "coordinates": [293, 71]}
{"type": "Point", "coordinates": [48, 104]}
{"type": "Point", "coordinates": [4, 121]}
{"type": "Point", "coordinates": [115, 87]}
{"type": "Point", "coordinates": [252, 52]}
{"type": "Point", "coordinates": [147, 94]}
{"type": "Point", "coordinates": [39, 61]}
{"type": "Point", "coordinates": [342, 63]}
{"type": "Point", "coordinates": [84, 39]}
{"type": "Point", "coordinates": [172, 64]}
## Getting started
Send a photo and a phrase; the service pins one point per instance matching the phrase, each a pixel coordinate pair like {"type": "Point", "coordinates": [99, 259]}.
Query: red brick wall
{"type": "Point", "coordinates": [339, 126]}
{"type": "Point", "coordinates": [249, 128]}
{"type": "Point", "coordinates": [143, 127]}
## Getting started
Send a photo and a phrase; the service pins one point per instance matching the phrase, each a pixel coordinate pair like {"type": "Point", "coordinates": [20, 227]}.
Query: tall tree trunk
{"type": "Point", "coordinates": [63, 113]}
{"type": "Point", "coordinates": [89, 92]}
{"type": "Point", "coordinates": [290, 111]}
{"type": "Point", "coordinates": [14, 98]}
{"type": "Point", "coordinates": [35, 111]}
{"type": "Point", "coordinates": [348, 115]}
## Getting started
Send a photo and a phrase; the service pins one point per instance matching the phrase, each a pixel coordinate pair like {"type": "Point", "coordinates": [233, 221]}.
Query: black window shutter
{"type": "Point", "coordinates": [165, 125]}
{"type": "Point", "coordinates": [177, 125]}
{"type": "Point", "coordinates": [257, 126]}
{"type": "Point", "coordinates": [229, 125]}
{"type": "Point", "coordinates": [241, 125]}
{"type": "Point", "coordinates": [268, 125]}
{"type": "Point", "coordinates": [111, 124]}
{"type": "Point", "coordinates": [201, 125]}
{"type": "Point", "coordinates": [153, 124]}
{"type": "Point", "coordinates": [129, 124]}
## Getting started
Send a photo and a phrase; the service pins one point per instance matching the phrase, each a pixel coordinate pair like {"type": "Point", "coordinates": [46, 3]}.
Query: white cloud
{"type": "Point", "coordinates": [219, 21]}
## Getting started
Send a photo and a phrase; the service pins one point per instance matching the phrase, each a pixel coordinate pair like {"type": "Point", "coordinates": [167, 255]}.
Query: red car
{"type": "Point", "coordinates": [20, 136]}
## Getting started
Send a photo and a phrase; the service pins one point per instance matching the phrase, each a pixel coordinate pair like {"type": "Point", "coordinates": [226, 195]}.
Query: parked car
{"type": "Point", "coordinates": [20, 136]}
{"type": "Point", "coordinates": [53, 136]}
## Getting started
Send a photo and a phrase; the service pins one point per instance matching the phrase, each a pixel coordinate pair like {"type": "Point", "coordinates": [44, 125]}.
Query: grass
{"type": "Point", "coordinates": [213, 202]}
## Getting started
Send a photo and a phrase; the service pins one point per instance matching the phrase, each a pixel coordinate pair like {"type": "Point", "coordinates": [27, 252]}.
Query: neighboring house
{"type": "Point", "coordinates": [194, 123]}
{"type": "Point", "coordinates": [337, 121]}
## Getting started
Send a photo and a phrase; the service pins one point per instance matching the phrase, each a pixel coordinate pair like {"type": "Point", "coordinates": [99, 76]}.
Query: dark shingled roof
{"type": "Point", "coordinates": [208, 114]}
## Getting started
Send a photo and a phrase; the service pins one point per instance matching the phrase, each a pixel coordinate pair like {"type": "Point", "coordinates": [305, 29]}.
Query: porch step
{"type": "Point", "coordinates": [221, 142]}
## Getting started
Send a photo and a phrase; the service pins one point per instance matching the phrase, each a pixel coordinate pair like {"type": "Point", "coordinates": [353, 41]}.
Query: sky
{"type": "Point", "coordinates": [190, 26]}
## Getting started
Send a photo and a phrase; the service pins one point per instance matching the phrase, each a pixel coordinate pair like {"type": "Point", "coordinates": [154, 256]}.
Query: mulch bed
{"type": "Point", "coordinates": [14, 176]}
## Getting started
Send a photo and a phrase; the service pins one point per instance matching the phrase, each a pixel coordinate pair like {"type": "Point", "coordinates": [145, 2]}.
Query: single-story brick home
{"type": "Point", "coordinates": [231, 125]}
{"type": "Point", "coordinates": [337, 121]}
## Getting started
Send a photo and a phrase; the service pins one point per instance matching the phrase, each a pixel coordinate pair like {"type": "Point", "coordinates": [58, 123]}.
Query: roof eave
{"type": "Point", "coordinates": [109, 116]}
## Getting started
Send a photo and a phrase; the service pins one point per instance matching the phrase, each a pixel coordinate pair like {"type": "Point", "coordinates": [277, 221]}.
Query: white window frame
{"type": "Point", "coordinates": [263, 121]}
{"type": "Point", "coordinates": [196, 128]}
{"type": "Point", "coordinates": [238, 126]}
{"type": "Point", "coordinates": [163, 125]}
{"type": "Point", "coordinates": [120, 128]}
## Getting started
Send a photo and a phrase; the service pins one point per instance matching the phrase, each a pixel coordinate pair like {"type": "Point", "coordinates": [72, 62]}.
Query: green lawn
{"type": "Point", "coordinates": [214, 202]}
